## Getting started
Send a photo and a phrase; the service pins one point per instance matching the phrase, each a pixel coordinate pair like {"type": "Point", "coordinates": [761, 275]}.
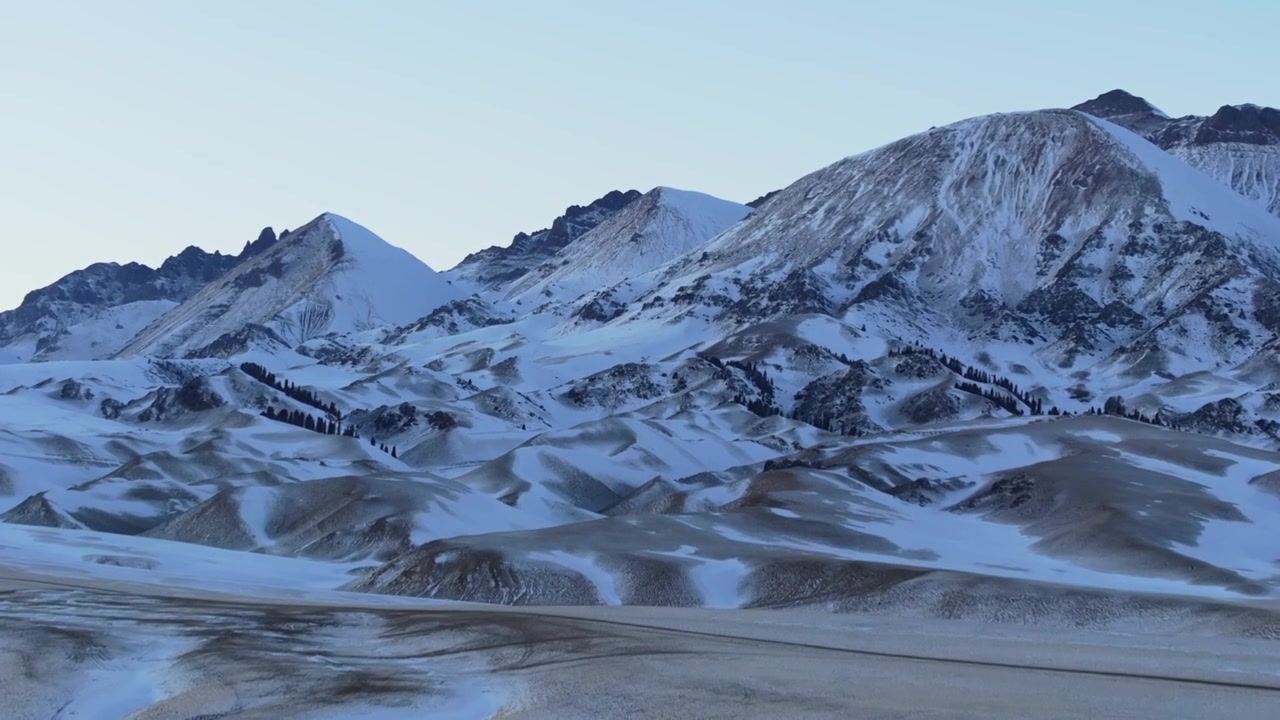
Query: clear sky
{"type": "Point", "coordinates": [133, 128]}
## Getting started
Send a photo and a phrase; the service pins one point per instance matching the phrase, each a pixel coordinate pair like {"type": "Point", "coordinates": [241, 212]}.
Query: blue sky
{"type": "Point", "coordinates": [137, 127]}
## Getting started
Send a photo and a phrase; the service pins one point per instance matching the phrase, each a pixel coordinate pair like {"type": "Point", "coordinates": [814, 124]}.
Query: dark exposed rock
{"type": "Point", "coordinates": [110, 408]}
{"type": "Point", "coordinates": [615, 387]}
{"type": "Point", "coordinates": [105, 285]}
{"type": "Point", "coordinates": [453, 318]}
{"type": "Point", "coordinates": [931, 406]}
{"type": "Point", "coordinates": [697, 293]}
{"type": "Point", "coordinates": [1117, 314]}
{"type": "Point", "coordinates": [924, 492]}
{"type": "Point", "coordinates": [1004, 493]}
{"type": "Point", "coordinates": [266, 239]}
{"type": "Point", "coordinates": [1116, 103]}
{"type": "Point", "coordinates": [198, 396]}
{"type": "Point", "coordinates": [800, 292]}
{"type": "Point", "coordinates": [919, 366]}
{"type": "Point", "coordinates": [1248, 124]}
{"type": "Point", "coordinates": [195, 395]}
{"type": "Point", "coordinates": [835, 402]}
{"type": "Point", "coordinates": [441, 420]}
{"type": "Point", "coordinates": [813, 359]}
{"type": "Point", "coordinates": [387, 420]}
{"type": "Point", "coordinates": [249, 337]}
{"type": "Point", "coordinates": [602, 308]}
{"type": "Point", "coordinates": [1225, 415]}
{"type": "Point", "coordinates": [73, 390]}
{"type": "Point", "coordinates": [885, 287]}
{"type": "Point", "coordinates": [762, 199]}
{"type": "Point", "coordinates": [1237, 144]}
{"type": "Point", "coordinates": [496, 265]}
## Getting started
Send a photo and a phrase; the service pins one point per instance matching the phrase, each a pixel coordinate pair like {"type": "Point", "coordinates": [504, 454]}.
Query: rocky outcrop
{"type": "Point", "coordinates": [1237, 144]}
{"type": "Point", "coordinates": [46, 313]}
{"type": "Point", "coordinates": [1223, 416]}
{"type": "Point", "coordinates": [496, 265]}
{"type": "Point", "coordinates": [615, 387]}
{"type": "Point", "coordinates": [194, 396]}
{"type": "Point", "coordinates": [835, 402]}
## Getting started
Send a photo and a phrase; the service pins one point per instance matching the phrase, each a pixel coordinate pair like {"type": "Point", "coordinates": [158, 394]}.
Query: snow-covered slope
{"type": "Point", "coordinates": [497, 265]}
{"type": "Point", "coordinates": [91, 313]}
{"type": "Point", "coordinates": [1050, 229]}
{"type": "Point", "coordinates": [1239, 144]}
{"type": "Point", "coordinates": [649, 232]}
{"type": "Point", "coordinates": [99, 333]}
{"type": "Point", "coordinates": [329, 276]}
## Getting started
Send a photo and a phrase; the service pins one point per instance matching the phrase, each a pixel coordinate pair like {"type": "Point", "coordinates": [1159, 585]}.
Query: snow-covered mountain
{"type": "Point", "coordinates": [329, 276]}
{"type": "Point", "coordinates": [957, 372]}
{"type": "Point", "coordinates": [91, 313]}
{"type": "Point", "coordinates": [1052, 231]}
{"type": "Point", "coordinates": [1239, 144]}
{"type": "Point", "coordinates": [498, 265]}
{"type": "Point", "coordinates": [649, 232]}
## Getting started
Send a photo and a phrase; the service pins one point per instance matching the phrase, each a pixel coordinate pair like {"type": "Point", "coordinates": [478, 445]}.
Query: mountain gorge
{"type": "Point", "coordinates": [1024, 365]}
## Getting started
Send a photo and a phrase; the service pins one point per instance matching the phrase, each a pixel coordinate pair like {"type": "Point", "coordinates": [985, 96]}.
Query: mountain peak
{"type": "Point", "coordinates": [661, 225]}
{"type": "Point", "coordinates": [1248, 123]}
{"type": "Point", "coordinates": [1118, 103]}
{"type": "Point", "coordinates": [1041, 173]}
{"type": "Point", "coordinates": [612, 200]}
{"type": "Point", "coordinates": [331, 275]}
{"type": "Point", "coordinates": [266, 238]}
{"type": "Point", "coordinates": [351, 234]}
{"type": "Point", "coordinates": [1239, 145]}
{"type": "Point", "coordinates": [90, 312]}
{"type": "Point", "coordinates": [497, 265]}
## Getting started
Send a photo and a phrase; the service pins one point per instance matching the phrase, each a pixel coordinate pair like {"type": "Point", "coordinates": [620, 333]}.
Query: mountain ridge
{"type": "Point", "coordinates": [660, 226]}
{"type": "Point", "coordinates": [48, 316]}
{"type": "Point", "coordinates": [1238, 144]}
{"type": "Point", "coordinates": [497, 265]}
{"type": "Point", "coordinates": [330, 275]}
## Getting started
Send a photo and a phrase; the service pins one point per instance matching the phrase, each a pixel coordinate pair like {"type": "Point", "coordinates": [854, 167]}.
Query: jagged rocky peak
{"type": "Point", "coordinates": [266, 239]}
{"type": "Point", "coordinates": [497, 265]}
{"type": "Point", "coordinates": [662, 225]}
{"type": "Point", "coordinates": [754, 204]}
{"type": "Point", "coordinates": [1239, 145]}
{"type": "Point", "coordinates": [89, 313]}
{"type": "Point", "coordinates": [1250, 124]}
{"type": "Point", "coordinates": [1118, 103]}
{"type": "Point", "coordinates": [329, 276]}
